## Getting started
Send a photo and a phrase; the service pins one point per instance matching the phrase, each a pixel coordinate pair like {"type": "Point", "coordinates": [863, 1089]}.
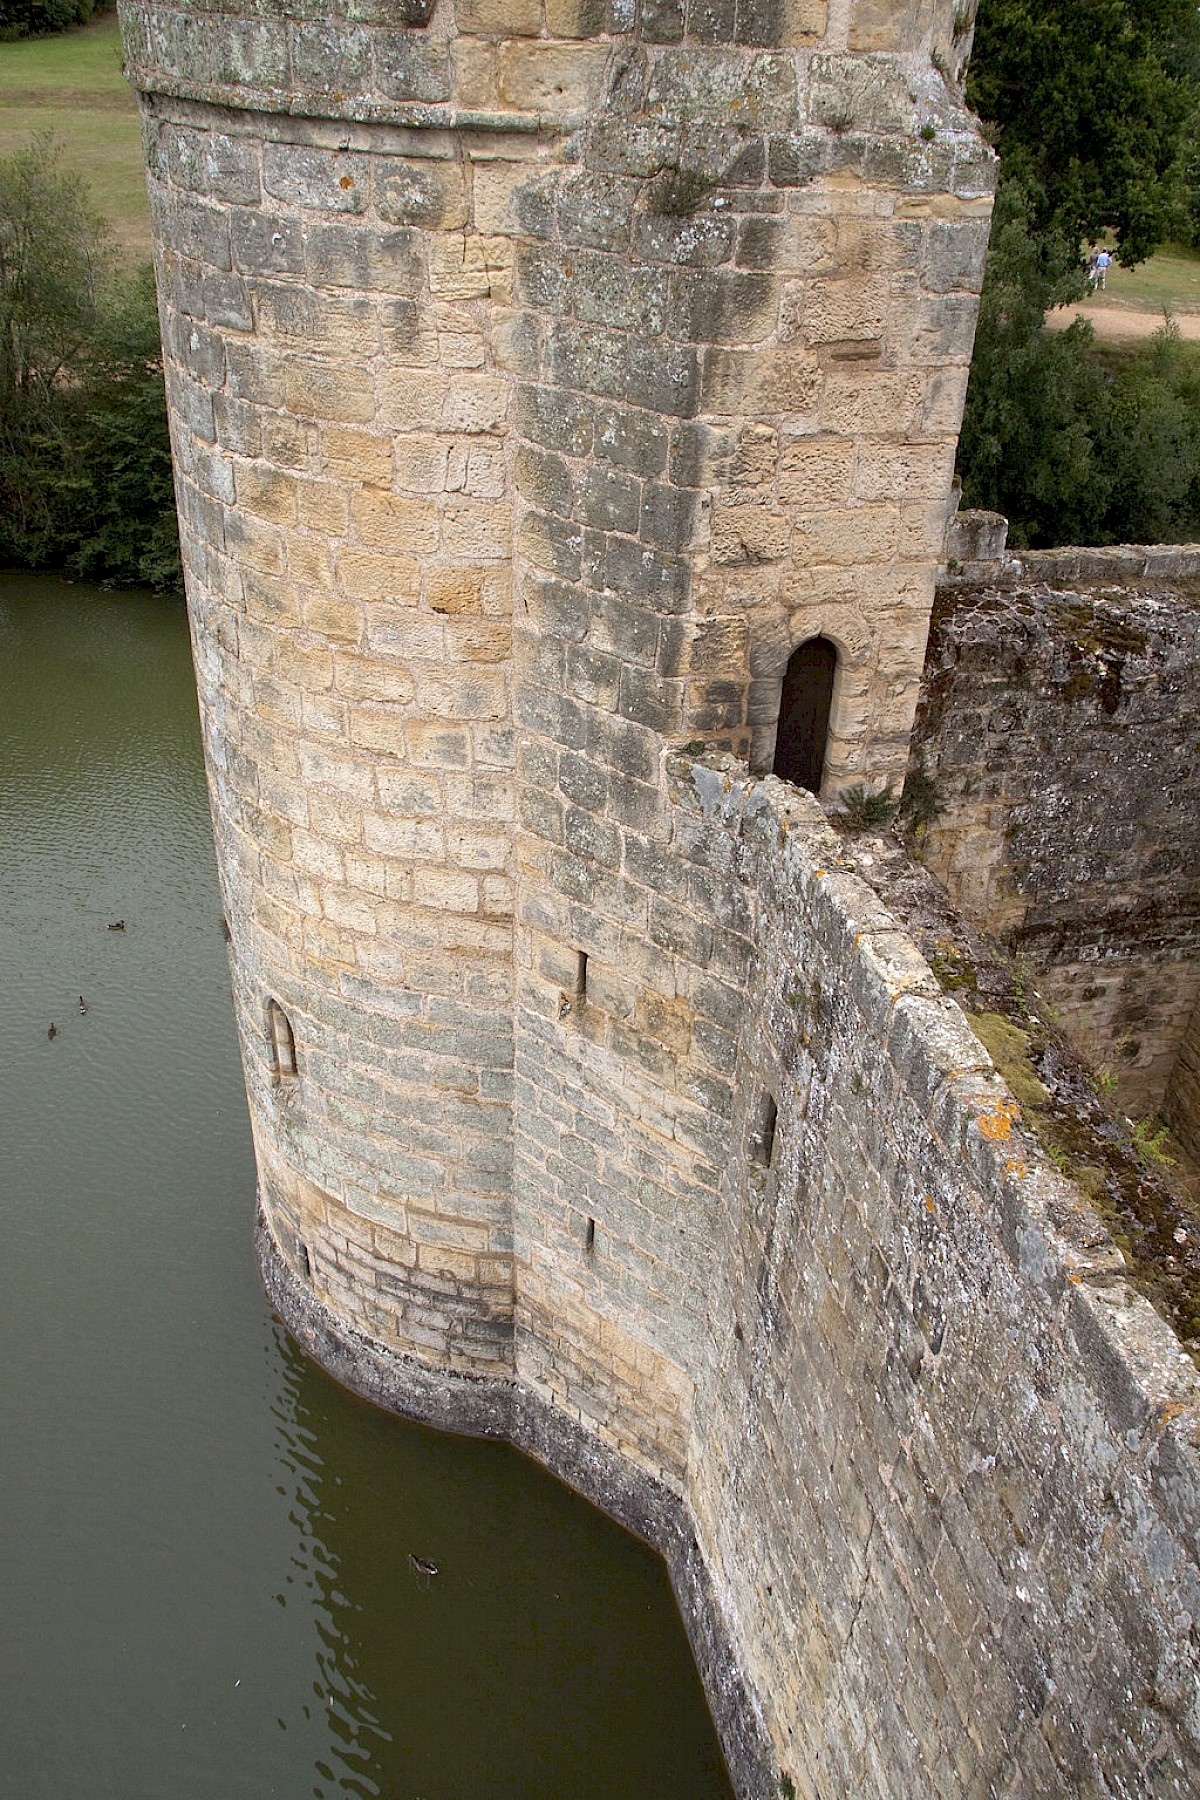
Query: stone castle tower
{"type": "Point", "coordinates": [561, 390]}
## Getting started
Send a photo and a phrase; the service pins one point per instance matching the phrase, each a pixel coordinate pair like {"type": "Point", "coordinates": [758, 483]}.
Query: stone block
{"type": "Point", "coordinates": [662, 21]}
{"type": "Point", "coordinates": [350, 455]}
{"type": "Point", "coordinates": [849, 311]}
{"type": "Point", "coordinates": [649, 700]}
{"type": "Point", "coordinates": [545, 481]}
{"type": "Point", "coordinates": [552, 544]}
{"type": "Point", "coordinates": [816, 473]}
{"type": "Point", "coordinates": [456, 591]}
{"type": "Point", "coordinates": [224, 169]}
{"type": "Point", "coordinates": [577, 18]}
{"type": "Point", "coordinates": [333, 58]}
{"type": "Point", "coordinates": [750, 534]}
{"type": "Point", "coordinates": [199, 231]}
{"type": "Point", "coordinates": [361, 257]}
{"type": "Point", "coordinates": [596, 210]}
{"type": "Point", "coordinates": [327, 391]}
{"type": "Point", "coordinates": [289, 443]}
{"type": "Point", "coordinates": [859, 93]}
{"type": "Point", "coordinates": [723, 307]}
{"type": "Point", "coordinates": [409, 334]}
{"type": "Point", "coordinates": [418, 191]}
{"type": "Point", "coordinates": [663, 378]}
{"type": "Point", "coordinates": [366, 576]}
{"type": "Point", "coordinates": [499, 18]}
{"type": "Point", "coordinates": [269, 493]}
{"type": "Point", "coordinates": [787, 380]}
{"type": "Point", "coordinates": [321, 180]}
{"type": "Point", "coordinates": [668, 517]}
{"type": "Point", "coordinates": [555, 79]}
{"type": "Point", "coordinates": [254, 542]}
{"type": "Point", "coordinates": [321, 506]}
{"type": "Point", "coordinates": [640, 574]}
{"type": "Point", "coordinates": [608, 500]}
{"type": "Point", "coordinates": [782, 22]}
{"type": "Point", "coordinates": [408, 67]}
{"type": "Point", "coordinates": [266, 244]}
{"type": "Point", "coordinates": [877, 403]}
{"type": "Point", "coordinates": [606, 291]}
{"type": "Point", "coordinates": [477, 530]}
{"type": "Point", "coordinates": [555, 419]}
{"type": "Point", "coordinates": [325, 613]}
{"type": "Point", "coordinates": [699, 241]}
{"type": "Point", "coordinates": [631, 438]}
{"type": "Point", "coordinates": [955, 251]}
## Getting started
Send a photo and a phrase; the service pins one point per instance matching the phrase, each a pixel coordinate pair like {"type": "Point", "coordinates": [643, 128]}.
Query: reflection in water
{"type": "Point", "coordinates": [205, 1581]}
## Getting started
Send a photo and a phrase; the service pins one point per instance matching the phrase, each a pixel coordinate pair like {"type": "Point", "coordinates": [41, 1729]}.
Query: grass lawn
{"type": "Point", "coordinates": [1171, 277]}
{"type": "Point", "coordinates": [72, 85]}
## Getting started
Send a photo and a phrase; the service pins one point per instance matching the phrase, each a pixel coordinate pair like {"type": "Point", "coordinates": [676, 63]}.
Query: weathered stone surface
{"type": "Point", "coordinates": [1052, 742]}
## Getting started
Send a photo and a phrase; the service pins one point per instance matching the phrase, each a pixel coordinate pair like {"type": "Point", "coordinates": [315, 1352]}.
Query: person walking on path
{"type": "Point", "coordinates": [1103, 265]}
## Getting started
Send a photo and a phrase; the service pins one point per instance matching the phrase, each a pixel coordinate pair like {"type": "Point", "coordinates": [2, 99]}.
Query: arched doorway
{"type": "Point", "coordinates": [804, 714]}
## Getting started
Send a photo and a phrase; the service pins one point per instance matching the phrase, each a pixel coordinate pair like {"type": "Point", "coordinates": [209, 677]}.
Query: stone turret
{"type": "Point", "coordinates": [543, 375]}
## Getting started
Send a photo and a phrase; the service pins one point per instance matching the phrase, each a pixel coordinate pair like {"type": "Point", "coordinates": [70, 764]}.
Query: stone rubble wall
{"type": "Point", "coordinates": [1058, 743]}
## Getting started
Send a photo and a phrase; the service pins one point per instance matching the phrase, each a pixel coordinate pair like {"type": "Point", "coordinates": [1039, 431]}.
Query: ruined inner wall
{"type": "Point", "coordinates": [1057, 748]}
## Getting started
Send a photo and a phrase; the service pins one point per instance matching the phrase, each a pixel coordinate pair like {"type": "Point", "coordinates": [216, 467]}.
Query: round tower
{"type": "Point", "coordinates": [548, 378]}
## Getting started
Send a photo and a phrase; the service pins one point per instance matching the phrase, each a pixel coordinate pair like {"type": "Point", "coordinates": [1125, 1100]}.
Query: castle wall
{"type": "Point", "coordinates": [937, 1466]}
{"type": "Point", "coordinates": [540, 377]}
{"type": "Point", "coordinates": [939, 1525]}
{"type": "Point", "coordinates": [1058, 746]}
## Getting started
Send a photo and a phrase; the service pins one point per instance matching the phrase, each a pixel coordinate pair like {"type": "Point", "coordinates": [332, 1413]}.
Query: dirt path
{"type": "Point", "coordinates": [1112, 323]}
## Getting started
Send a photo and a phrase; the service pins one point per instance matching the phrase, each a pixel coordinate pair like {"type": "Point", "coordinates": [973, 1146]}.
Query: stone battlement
{"type": "Point", "coordinates": [544, 385]}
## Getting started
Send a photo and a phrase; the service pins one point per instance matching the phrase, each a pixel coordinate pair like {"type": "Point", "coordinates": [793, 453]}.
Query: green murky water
{"type": "Point", "coordinates": [205, 1589]}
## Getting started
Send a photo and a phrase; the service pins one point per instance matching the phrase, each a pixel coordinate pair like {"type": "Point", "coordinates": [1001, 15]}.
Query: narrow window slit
{"type": "Point", "coordinates": [764, 1135]}
{"type": "Point", "coordinates": [304, 1260]}
{"type": "Point", "coordinates": [591, 1236]}
{"type": "Point", "coordinates": [574, 999]}
{"type": "Point", "coordinates": [283, 1042]}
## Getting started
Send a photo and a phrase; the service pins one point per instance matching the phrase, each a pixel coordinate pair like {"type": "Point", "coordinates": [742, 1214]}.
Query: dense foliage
{"type": "Point", "coordinates": [85, 465]}
{"type": "Point", "coordinates": [38, 18]}
{"type": "Point", "coordinates": [1088, 98]}
{"type": "Point", "coordinates": [1092, 104]}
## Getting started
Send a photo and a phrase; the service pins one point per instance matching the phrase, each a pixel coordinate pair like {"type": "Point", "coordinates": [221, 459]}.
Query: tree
{"type": "Point", "coordinates": [53, 258]}
{"type": "Point", "coordinates": [1090, 96]}
{"type": "Point", "coordinates": [84, 448]}
{"type": "Point", "coordinates": [1091, 103]}
{"type": "Point", "coordinates": [1033, 399]}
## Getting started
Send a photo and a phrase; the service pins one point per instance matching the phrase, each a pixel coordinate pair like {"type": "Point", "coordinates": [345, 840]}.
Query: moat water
{"type": "Point", "coordinates": [206, 1587]}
